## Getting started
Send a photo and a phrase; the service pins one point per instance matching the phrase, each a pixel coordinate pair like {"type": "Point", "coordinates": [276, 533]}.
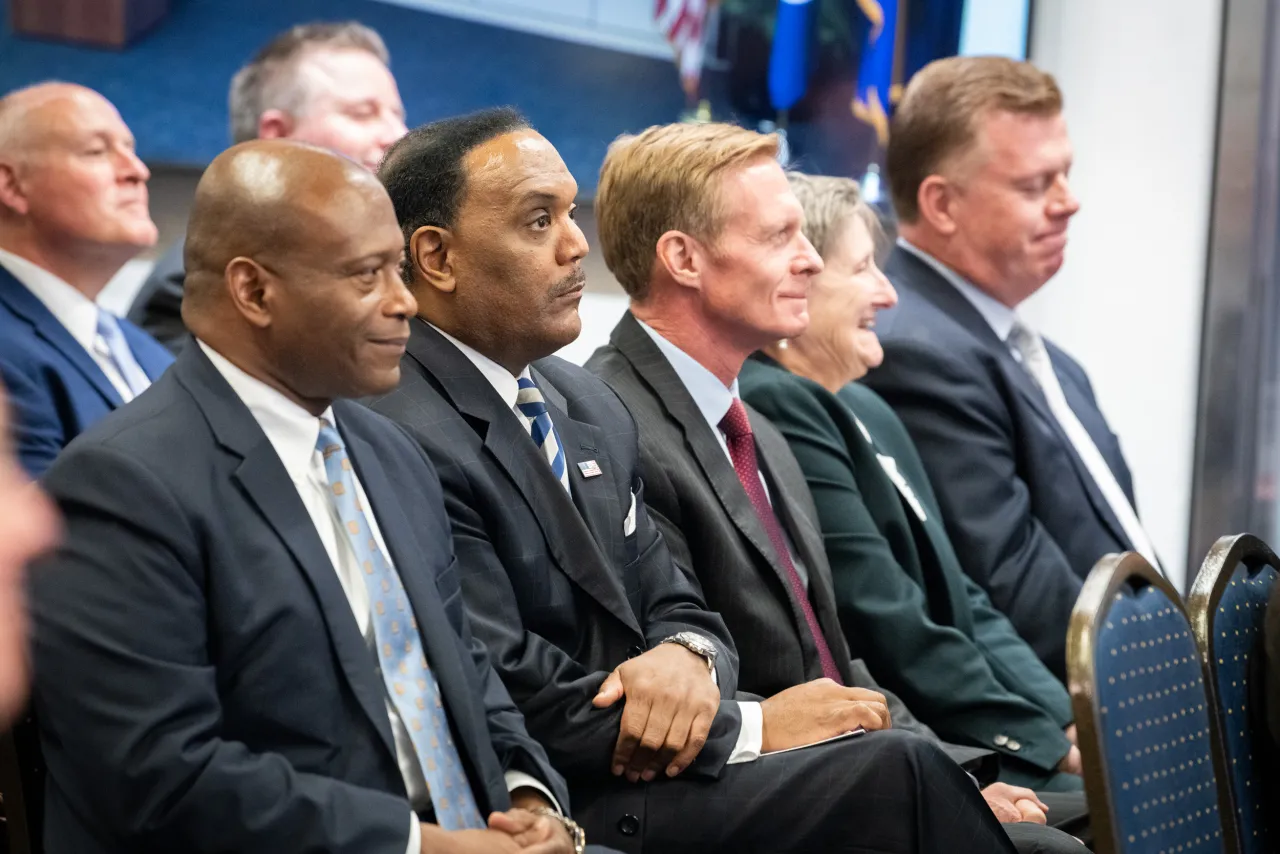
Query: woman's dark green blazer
{"type": "Point", "coordinates": [926, 630]}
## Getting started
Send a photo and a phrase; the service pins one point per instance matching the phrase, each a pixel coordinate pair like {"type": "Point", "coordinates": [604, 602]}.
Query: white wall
{"type": "Point", "coordinates": [600, 313]}
{"type": "Point", "coordinates": [623, 25]}
{"type": "Point", "coordinates": [1140, 82]}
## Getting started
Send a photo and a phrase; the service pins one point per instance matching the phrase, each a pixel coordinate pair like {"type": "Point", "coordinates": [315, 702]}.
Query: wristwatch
{"type": "Point", "coordinates": [698, 645]}
{"type": "Point", "coordinates": [576, 833]}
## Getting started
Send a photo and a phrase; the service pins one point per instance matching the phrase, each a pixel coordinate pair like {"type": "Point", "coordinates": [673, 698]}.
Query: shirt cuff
{"type": "Point", "coordinates": [750, 737]}
{"type": "Point", "coordinates": [519, 780]}
{"type": "Point", "coordinates": [415, 835]}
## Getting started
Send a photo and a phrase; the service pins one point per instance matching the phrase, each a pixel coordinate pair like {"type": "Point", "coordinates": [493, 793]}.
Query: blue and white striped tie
{"type": "Point", "coordinates": [531, 405]}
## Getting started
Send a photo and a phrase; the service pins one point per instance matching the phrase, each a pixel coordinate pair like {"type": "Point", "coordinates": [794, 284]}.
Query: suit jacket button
{"type": "Point", "coordinates": [628, 825]}
{"type": "Point", "coordinates": [1014, 746]}
{"type": "Point", "coordinates": [1001, 740]}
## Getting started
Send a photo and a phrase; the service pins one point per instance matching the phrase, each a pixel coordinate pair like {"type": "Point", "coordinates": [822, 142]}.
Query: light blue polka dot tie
{"type": "Point", "coordinates": [118, 348]}
{"type": "Point", "coordinates": [409, 681]}
{"type": "Point", "coordinates": [531, 405]}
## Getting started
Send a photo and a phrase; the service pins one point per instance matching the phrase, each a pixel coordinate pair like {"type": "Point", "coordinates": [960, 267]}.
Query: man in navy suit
{"type": "Point", "coordinates": [73, 210]}
{"type": "Point", "coordinates": [253, 637]}
{"type": "Point", "coordinates": [1031, 481]}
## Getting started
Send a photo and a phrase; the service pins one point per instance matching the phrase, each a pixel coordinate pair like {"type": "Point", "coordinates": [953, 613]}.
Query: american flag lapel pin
{"type": "Point", "coordinates": [590, 468]}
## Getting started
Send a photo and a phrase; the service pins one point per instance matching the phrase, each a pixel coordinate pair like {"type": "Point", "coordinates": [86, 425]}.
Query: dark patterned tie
{"type": "Point", "coordinates": [742, 449]}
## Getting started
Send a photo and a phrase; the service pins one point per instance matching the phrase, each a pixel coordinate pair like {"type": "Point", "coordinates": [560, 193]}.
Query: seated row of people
{"type": "Point", "coordinates": [618, 609]}
{"type": "Point", "coordinates": [978, 167]}
{"type": "Point", "coordinates": [254, 636]}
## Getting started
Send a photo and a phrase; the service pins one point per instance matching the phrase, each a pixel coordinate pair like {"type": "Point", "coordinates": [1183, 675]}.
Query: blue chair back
{"type": "Point", "coordinates": [1144, 716]}
{"type": "Point", "coordinates": [1228, 608]}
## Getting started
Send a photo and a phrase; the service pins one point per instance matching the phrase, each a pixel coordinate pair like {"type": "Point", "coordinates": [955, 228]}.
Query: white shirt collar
{"type": "Point", "coordinates": [998, 316]}
{"type": "Point", "coordinates": [72, 309]}
{"type": "Point", "coordinates": [507, 386]}
{"type": "Point", "coordinates": [711, 395]}
{"type": "Point", "coordinates": [292, 430]}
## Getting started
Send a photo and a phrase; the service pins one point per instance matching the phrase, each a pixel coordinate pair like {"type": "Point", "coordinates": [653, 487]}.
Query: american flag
{"type": "Point", "coordinates": [683, 23]}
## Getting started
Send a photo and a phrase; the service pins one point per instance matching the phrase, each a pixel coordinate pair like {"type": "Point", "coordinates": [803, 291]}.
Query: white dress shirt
{"type": "Point", "coordinates": [293, 432]}
{"type": "Point", "coordinates": [72, 309]}
{"type": "Point", "coordinates": [998, 316]}
{"type": "Point", "coordinates": [1028, 348]}
{"type": "Point", "coordinates": [713, 399]}
{"type": "Point", "coordinates": [751, 735]}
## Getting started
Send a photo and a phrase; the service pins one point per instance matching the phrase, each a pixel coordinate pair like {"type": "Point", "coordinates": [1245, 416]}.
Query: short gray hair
{"type": "Point", "coordinates": [269, 80]}
{"type": "Point", "coordinates": [828, 202]}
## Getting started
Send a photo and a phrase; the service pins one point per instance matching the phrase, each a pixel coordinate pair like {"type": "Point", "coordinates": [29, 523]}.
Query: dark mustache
{"type": "Point", "coordinates": [570, 283]}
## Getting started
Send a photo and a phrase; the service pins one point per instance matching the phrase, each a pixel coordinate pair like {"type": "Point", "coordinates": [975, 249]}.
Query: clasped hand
{"type": "Point", "coordinates": [516, 831]}
{"type": "Point", "coordinates": [671, 701]}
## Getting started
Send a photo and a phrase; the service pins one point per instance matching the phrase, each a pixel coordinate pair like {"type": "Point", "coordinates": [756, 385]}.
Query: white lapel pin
{"type": "Point", "coordinates": [590, 468]}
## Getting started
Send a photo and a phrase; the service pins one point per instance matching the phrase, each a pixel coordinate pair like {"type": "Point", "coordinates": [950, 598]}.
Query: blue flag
{"type": "Point", "coordinates": [872, 98]}
{"type": "Point", "coordinates": [789, 59]}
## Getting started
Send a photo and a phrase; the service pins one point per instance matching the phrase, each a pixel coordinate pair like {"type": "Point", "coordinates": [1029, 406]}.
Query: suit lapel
{"type": "Point", "coordinates": [26, 305]}
{"type": "Point", "coordinates": [439, 642]}
{"type": "Point", "coordinates": [568, 538]}
{"type": "Point", "coordinates": [269, 488]}
{"type": "Point", "coordinates": [593, 496]}
{"type": "Point", "coordinates": [929, 284]}
{"type": "Point", "coordinates": [654, 369]}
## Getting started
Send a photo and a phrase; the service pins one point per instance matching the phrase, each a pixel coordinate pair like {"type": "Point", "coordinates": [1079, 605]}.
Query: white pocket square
{"type": "Point", "coordinates": [629, 524]}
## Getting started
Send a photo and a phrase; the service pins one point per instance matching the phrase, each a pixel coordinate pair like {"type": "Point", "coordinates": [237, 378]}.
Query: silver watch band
{"type": "Point", "coordinates": [576, 834]}
{"type": "Point", "coordinates": [693, 647]}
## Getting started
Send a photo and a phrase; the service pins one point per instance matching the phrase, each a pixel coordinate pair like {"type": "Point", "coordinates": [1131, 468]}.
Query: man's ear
{"type": "Point", "coordinates": [683, 257]}
{"type": "Point", "coordinates": [249, 285]}
{"type": "Point", "coordinates": [275, 124]}
{"type": "Point", "coordinates": [936, 201]}
{"type": "Point", "coordinates": [12, 194]}
{"type": "Point", "coordinates": [429, 258]}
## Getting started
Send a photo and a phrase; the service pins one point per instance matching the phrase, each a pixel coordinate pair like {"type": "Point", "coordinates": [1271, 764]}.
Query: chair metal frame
{"type": "Point", "coordinates": [1107, 577]}
{"type": "Point", "coordinates": [1202, 604]}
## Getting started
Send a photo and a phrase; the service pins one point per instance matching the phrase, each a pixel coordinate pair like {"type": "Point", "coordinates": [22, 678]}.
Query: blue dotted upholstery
{"type": "Point", "coordinates": [1154, 722]}
{"type": "Point", "coordinates": [1236, 637]}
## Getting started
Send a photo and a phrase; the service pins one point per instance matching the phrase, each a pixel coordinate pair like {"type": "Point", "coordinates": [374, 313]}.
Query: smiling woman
{"type": "Point", "coordinates": [840, 344]}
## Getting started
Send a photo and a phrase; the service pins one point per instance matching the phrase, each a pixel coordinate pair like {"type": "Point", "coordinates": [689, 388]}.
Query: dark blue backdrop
{"type": "Point", "coordinates": [171, 86]}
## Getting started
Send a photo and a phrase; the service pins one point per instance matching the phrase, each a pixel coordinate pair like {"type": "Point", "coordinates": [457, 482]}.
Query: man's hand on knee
{"type": "Point", "coordinates": [819, 710]}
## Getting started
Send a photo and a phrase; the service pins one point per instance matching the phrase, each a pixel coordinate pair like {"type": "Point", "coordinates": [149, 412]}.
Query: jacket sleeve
{"type": "Point", "coordinates": [966, 439]}
{"type": "Point", "coordinates": [39, 433]}
{"type": "Point", "coordinates": [129, 701]}
{"type": "Point", "coordinates": [941, 674]}
{"type": "Point", "coordinates": [1013, 661]}
{"type": "Point", "coordinates": [551, 688]}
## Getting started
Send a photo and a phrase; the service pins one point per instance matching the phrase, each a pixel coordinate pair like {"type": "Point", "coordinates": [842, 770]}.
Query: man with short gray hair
{"type": "Point", "coordinates": [328, 84]}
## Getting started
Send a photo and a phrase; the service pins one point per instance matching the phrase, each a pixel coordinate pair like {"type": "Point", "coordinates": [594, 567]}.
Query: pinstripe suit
{"type": "Point", "coordinates": [562, 595]}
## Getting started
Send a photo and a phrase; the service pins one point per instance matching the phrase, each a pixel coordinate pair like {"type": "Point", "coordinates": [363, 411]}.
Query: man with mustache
{"type": "Point", "coordinates": [1032, 483]}
{"type": "Point", "coordinates": [251, 638]}
{"type": "Point", "coordinates": [73, 211]}
{"type": "Point", "coordinates": [607, 647]}
{"type": "Point", "coordinates": [328, 84]}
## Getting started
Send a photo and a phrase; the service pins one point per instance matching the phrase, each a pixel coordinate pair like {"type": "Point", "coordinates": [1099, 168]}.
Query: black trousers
{"type": "Point", "coordinates": [888, 792]}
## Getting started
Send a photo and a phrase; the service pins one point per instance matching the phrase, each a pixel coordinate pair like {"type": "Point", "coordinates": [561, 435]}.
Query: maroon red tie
{"type": "Point", "coordinates": [742, 450]}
